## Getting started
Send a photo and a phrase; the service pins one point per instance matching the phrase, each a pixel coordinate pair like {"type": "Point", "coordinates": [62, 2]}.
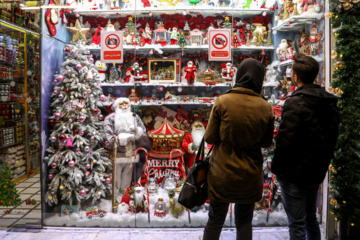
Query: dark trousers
{"type": "Point", "coordinates": [217, 216]}
{"type": "Point", "coordinates": [300, 206]}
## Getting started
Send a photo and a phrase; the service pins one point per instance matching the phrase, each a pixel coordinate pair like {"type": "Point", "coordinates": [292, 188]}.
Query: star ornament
{"type": "Point", "coordinates": [78, 32]}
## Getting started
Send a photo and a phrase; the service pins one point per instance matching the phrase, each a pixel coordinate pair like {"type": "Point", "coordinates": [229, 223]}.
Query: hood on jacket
{"type": "Point", "coordinates": [317, 94]}
{"type": "Point", "coordinates": [250, 74]}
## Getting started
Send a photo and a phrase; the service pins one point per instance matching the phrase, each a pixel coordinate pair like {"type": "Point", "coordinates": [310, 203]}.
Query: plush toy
{"type": "Point", "coordinates": [101, 67]}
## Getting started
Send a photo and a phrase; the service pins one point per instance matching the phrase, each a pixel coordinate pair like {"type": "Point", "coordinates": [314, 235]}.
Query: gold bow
{"type": "Point", "coordinates": [286, 84]}
{"type": "Point", "coordinates": [347, 4]}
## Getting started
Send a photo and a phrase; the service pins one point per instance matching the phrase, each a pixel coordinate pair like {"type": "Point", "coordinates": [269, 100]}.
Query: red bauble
{"type": "Point", "coordinates": [126, 61]}
{"type": "Point", "coordinates": [76, 131]}
{"type": "Point", "coordinates": [246, 55]}
{"type": "Point", "coordinates": [51, 122]}
{"type": "Point", "coordinates": [67, 90]}
{"type": "Point", "coordinates": [95, 111]}
{"type": "Point", "coordinates": [62, 137]}
{"type": "Point", "coordinates": [87, 174]}
{"type": "Point", "coordinates": [31, 132]}
{"type": "Point", "coordinates": [127, 55]}
{"type": "Point", "coordinates": [236, 56]}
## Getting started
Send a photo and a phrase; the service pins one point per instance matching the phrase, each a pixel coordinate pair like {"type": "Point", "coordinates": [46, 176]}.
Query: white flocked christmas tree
{"type": "Point", "coordinates": [79, 170]}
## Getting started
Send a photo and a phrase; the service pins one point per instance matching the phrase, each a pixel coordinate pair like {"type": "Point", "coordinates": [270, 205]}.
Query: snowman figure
{"type": "Point", "coordinates": [101, 67]}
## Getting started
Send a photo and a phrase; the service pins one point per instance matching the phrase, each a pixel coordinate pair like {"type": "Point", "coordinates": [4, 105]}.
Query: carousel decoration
{"type": "Point", "coordinates": [209, 76]}
{"type": "Point", "coordinates": [160, 34]}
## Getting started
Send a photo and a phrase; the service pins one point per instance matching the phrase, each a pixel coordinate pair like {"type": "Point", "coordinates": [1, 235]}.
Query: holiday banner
{"type": "Point", "coordinates": [160, 169]}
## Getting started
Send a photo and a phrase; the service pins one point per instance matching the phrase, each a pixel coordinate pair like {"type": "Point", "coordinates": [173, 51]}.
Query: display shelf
{"type": "Point", "coordinates": [157, 11]}
{"type": "Point", "coordinates": [296, 23]}
{"type": "Point", "coordinates": [13, 144]}
{"type": "Point", "coordinates": [290, 62]}
{"type": "Point", "coordinates": [186, 48]}
{"type": "Point", "coordinates": [197, 84]}
{"type": "Point", "coordinates": [161, 103]}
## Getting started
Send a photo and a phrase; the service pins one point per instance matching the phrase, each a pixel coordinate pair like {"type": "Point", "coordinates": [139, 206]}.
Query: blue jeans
{"type": "Point", "coordinates": [217, 216]}
{"type": "Point", "coordinates": [300, 206]}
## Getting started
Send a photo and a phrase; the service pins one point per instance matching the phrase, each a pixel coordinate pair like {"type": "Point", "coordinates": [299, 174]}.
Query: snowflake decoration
{"type": "Point", "coordinates": [179, 89]}
{"type": "Point", "coordinates": [118, 91]}
{"type": "Point", "coordinates": [29, 72]}
{"type": "Point", "coordinates": [12, 84]}
{"type": "Point", "coordinates": [28, 99]}
{"type": "Point", "coordinates": [110, 90]}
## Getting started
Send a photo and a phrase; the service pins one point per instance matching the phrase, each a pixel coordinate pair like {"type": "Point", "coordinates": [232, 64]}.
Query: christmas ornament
{"type": "Point", "coordinates": [81, 133]}
{"type": "Point", "coordinates": [106, 143]}
{"type": "Point", "coordinates": [53, 139]}
{"type": "Point", "coordinates": [55, 92]}
{"type": "Point", "coordinates": [82, 192]}
{"type": "Point", "coordinates": [54, 165]}
{"type": "Point", "coordinates": [61, 96]}
{"type": "Point", "coordinates": [82, 118]}
{"type": "Point", "coordinates": [95, 111]}
{"type": "Point", "coordinates": [71, 163]}
{"type": "Point", "coordinates": [87, 166]}
{"type": "Point", "coordinates": [101, 117]}
{"type": "Point", "coordinates": [66, 49]}
{"type": "Point", "coordinates": [108, 180]}
{"type": "Point", "coordinates": [69, 142]}
{"type": "Point", "coordinates": [85, 94]}
{"type": "Point", "coordinates": [88, 52]}
{"type": "Point", "coordinates": [78, 32]}
{"type": "Point", "coordinates": [87, 174]}
{"type": "Point", "coordinates": [92, 139]}
{"type": "Point", "coordinates": [69, 71]}
{"type": "Point", "coordinates": [57, 115]}
{"type": "Point", "coordinates": [62, 137]}
{"type": "Point", "coordinates": [91, 60]}
{"type": "Point", "coordinates": [60, 78]}
{"type": "Point", "coordinates": [86, 148]}
{"type": "Point", "coordinates": [102, 97]}
{"type": "Point", "coordinates": [50, 176]}
{"type": "Point", "coordinates": [89, 76]}
{"type": "Point", "coordinates": [68, 91]}
{"type": "Point", "coordinates": [78, 66]}
{"type": "Point", "coordinates": [51, 122]}
{"type": "Point", "coordinates": [77, 151]}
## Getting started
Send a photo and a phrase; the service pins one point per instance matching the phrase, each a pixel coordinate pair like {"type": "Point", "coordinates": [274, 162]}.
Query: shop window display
{"type": "Point", "coordinates": [122, 136]}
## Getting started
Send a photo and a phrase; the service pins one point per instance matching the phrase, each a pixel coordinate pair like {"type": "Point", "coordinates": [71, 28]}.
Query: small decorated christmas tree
{"type": "Point", "coordinates": [182, 40]}
{"type": "Point", "coordinates": [9, 196]}
{"type": "Point", "coordinates": [227, 23]}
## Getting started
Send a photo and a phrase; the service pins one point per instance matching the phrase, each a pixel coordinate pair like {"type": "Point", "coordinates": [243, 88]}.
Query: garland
{"type": "Point", "coordinates": [345, 168]}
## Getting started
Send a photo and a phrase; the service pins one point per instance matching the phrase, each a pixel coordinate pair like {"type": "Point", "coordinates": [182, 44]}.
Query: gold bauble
{"type": "Point", "coordinates": [344, 202]}
{"type": "Point", "coordinates": [352, 224]}
{"type": "Point", "coordinates": [61, 187]}
{"type": "Point", "coordinates": [330, 15]}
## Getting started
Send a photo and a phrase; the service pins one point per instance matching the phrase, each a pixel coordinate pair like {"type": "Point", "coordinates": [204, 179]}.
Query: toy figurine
{"type": "Point", "coordinates": [101, 4]}
{"type": "Point", "coordinates": [190, 70]}
{"type": "Point", "coordinates": [136, 72]}
{"type": "Point", "coordinates": [235, 40]}
{"type": "Point", "coordinates": [284, 51]}
{"type": "Point", "coordinates": [101, 67]}
{"type": "Point", "coordinates": [175, 207]}
{"type": "Point", "coordinates": [138, 201]}
{"type": "Point", "coordinates": [113, 74]}
{"type": "Point", "coordinates": [147, 34]}
{"type": "Point", "coordinates": [228, 72]}
{"type": "Point", "coordinates": [174, 36]}
{"type": "Point", "coordinates": [153, 186]}
{"type": "Point", "coordinates": [160, 208]}
{"type": "Point", "coordinates": [259, 33]}
{"type": "Point", "coordinates": [115, 5]}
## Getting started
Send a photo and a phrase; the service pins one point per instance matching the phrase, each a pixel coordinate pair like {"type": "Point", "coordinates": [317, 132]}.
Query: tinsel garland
{"type": "Point", "coordinates": [345, 168]}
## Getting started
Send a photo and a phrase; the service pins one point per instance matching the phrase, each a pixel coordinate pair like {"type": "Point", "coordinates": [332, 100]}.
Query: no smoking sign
{"type": "Point", "coordinates": [219, 45]}
{"type": "Point", "coordinates": [112, 46]}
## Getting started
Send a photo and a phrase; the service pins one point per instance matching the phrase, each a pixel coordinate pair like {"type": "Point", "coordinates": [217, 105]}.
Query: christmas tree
{"type": "Point", "coordinates": [9, 196]}
{"type": "Point", "coordinates": [194, 2]}
{"type": "Point", "coordinates": [130, 25]}
{"type": "Point", "coordinates": [186, 27]}
{"type": "Point", "coordinates": [227, 23]}
{"type": "Point", "coordinates": [182, 41]}
{"type": "Point", "coordinates": [79, 170]}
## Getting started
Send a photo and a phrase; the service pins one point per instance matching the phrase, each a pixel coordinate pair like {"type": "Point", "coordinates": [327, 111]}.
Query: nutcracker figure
{"type": "Point", "coordinates": [190, 70]}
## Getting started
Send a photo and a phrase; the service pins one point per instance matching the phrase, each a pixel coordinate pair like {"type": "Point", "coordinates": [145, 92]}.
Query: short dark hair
{"type": "Point", "coordinates": [306, 68]}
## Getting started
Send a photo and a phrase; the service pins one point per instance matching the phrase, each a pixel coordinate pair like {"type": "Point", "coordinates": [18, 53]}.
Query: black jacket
{"type": "Point", "coordinates": [307, 136]}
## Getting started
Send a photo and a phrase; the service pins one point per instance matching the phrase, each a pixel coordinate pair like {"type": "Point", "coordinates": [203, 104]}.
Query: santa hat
{"type": "Point", "coordinates": [125, 199]}
{"type": "Point", "coordinates": [118, 101]}
{"type": "Point", "coordinates": [97, 36]}
{"type": "Point", "coordinates": [228, 64]}
{"type": "Point", "coordinates": [138, 187]}
{"type": "Point", "coordinates": [313, 33]}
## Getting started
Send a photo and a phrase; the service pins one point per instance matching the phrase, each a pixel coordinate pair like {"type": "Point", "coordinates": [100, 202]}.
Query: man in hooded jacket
{"type": "Point", "coordinates": [241, 122]}
{"type": "Point", "coordinates": [305, 144]}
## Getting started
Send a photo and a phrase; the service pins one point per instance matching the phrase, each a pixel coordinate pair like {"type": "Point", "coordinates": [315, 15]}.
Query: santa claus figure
{"type": "Point", "coordinates": [191, 142]}
{"type": "Point", "coordinates": [175, 207]}
{"type": "Point", "coordinates": [160, 208]}
{"type": "Point", "coordinates": [128, 75]}
{"type": "Point", "coordinates": [122, 128]}
{"type": "Point", "coordinates": [228, 72]}
{"type": "Point", "coordinates": [138, 201]}
{"type": "Point", "coordinates": [136, 72]}
{"type": "Point", "coordinates": [284, 51]}
{"type": "Point", "coordinates": [174, 36]}
{"type": "Point", "coordinates": [147, 34]}
{"type": "Point", "coordinates": [190, 70]}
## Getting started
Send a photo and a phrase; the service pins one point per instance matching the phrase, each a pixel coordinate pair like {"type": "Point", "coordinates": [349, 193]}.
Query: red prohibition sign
{"type": "Point", "coordinates": [115, 44]}
{"type": "Point", "coordinates": [216, 37]}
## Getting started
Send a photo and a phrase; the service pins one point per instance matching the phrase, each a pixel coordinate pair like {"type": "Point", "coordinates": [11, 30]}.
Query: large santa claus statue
{"type": "Point", "coordinates": [228, 72]}
{"type": "Point", "coordinates": [190, 70]}
{"type": "Point", "coordinates": [138, 201]}
{"type": "Point", "coordinates": [191, 142]}
{"type": "Point", "coordinates": [123, 128]}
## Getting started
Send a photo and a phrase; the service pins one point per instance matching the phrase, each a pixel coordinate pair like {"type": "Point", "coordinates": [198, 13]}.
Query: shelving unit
{"type": "Point", "coordinates": [296, 23]}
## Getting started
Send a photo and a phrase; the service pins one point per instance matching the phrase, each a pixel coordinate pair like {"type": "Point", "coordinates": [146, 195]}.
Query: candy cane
{"type": "Point", "coordinates": [147, 178]}
{"type": "Point", "coordinates": [271, 191]}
